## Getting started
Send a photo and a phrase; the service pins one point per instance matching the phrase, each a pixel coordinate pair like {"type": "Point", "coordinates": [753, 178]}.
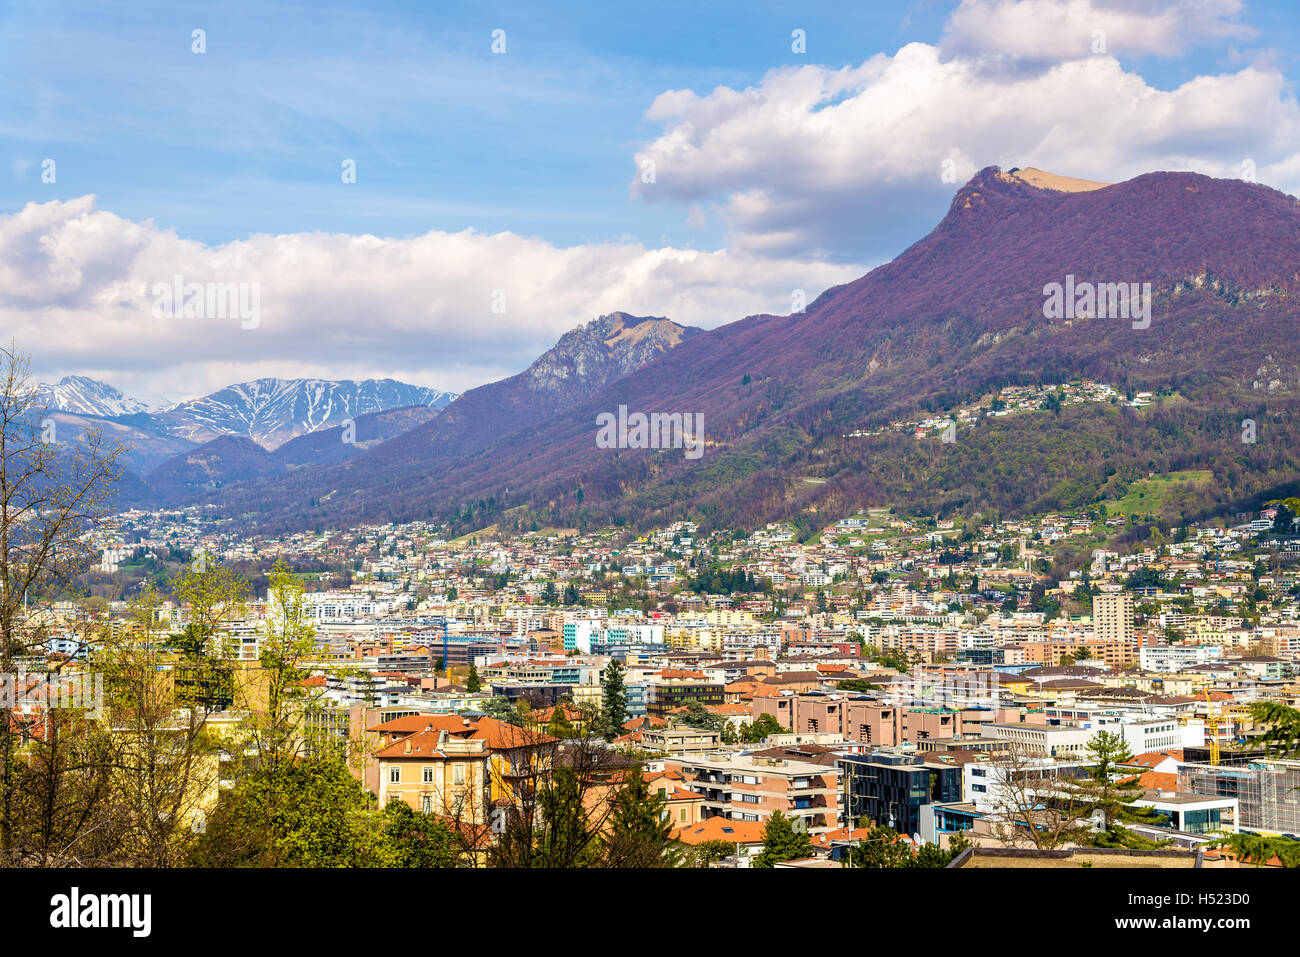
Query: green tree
{"type": "Point", "coordinates": [707, 853]}
{"type": "Point", "coordinates": [1281, 726]}
{"type": "Point", "coordinates": [613, 695]}
{"type": "Point", "coordinates": [1109, 791]}
{"type": "Point", "coordinates": [782, 842]}
{"type": "Point", "coordinates": [410, 838]}
{"type": "Point", "coordinates": [568, 836]}
{"type": "Point", "coordinates": [1259, 849]}
{"type": "Point", "coordinates": [559, 726]}
{"type": "Point", "coordinates": [639, 832]}
{"type": "Point", "coordinates": [322, 826]}
{"type": "Point", "coordinates": [472, 683]}
{"type": "Point", "coordinates": [883, 847]}
{"type": "Point", "coordinates": [761, 727]}
{"type": "Point", "coordinates": [857, 684]}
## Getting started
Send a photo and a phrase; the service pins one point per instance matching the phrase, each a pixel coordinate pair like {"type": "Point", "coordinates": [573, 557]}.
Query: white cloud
{"type": "Point", "coordinates": [76, 293]}
{"type": "Point", "coordinates": [847, 163]}
{"type": "Point", "coordinates": [1055, 30]}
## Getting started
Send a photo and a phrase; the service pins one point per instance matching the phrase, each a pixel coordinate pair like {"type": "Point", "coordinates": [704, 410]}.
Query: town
{"type": "Point", "coordinates": [897, 690]}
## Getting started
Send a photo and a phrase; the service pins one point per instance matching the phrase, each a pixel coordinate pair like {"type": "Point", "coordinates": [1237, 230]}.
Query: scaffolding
{"type": "Point", "coordinates": [1267, 792]}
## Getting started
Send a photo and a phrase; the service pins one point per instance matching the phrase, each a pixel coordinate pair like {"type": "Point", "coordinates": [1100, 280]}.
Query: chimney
{"type": "Point", "coordinates": [408, 746]}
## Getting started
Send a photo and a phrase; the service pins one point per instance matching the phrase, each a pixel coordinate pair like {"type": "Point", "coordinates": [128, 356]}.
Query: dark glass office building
{"type": "Point", "coordinates": [891, 788]}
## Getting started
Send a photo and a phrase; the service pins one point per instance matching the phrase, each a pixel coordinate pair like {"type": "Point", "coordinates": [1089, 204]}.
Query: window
{"type": "Point", "coordinates": [426, 804]}
{"type": "Point", "coordinates": [458, 774]}
{"type": "Point", "coordinates": [428, 774]}
{"type": "Point", "coordinates": [395, 774]}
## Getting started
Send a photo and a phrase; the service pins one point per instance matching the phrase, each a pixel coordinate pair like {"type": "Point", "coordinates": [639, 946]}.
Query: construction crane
{"type": "Point", "coordinates": [1212, 726]}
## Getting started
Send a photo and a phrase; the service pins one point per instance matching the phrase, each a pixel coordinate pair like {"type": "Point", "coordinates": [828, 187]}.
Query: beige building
{"type": "Point", "coordinates": [680, 739]}
{"type": "Point", "coordinates": [1112, 616]}
{"type": "Point", "coordinates": [753, 787]}
{"type": "Point", "coordinates": [436, 773]}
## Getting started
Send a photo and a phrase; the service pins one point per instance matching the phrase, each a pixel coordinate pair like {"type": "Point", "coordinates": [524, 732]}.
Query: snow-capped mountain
{"type": "Point", "coordinates": [86, 396]}
{"type": "Point", "coordinates": [273, 411]}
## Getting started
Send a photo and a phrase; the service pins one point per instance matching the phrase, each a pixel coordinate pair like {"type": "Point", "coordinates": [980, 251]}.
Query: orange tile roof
{"type": "Point", "coordinates": [422, 744]}
{"type": "Point", "coordinates": [721, 829]}
{"type": "Point", "coordinates": [840, 834]}
{"type": "Point", "coordinates": [1150, 759]}
{"type": "Point", "coordinates": [499, 735]}
{"type": "Point", "coordinates": [1158, 781]}
{"type": "Point", "coordinates": [729, 709]}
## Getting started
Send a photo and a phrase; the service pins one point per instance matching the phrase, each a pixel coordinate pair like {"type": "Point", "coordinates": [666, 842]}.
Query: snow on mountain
{"type": "Point", "coordinates": [273, 411]}
{"type": "Point", "coordinates": [86, 396]}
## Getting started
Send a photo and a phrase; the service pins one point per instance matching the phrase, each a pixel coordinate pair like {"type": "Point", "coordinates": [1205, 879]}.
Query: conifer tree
{"type": "Point", "coordinates": [1109, 791]}
{"type": "Point", "coordinates": [781, 842]}
{"type": "Point", "coordinates": [640, 831]}
{"type": "Point", "coordinates": [613, 699]}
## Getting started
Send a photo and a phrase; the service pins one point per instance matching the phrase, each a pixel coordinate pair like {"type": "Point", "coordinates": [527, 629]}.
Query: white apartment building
{"type": "Point", "coordinates": [1177, 657]}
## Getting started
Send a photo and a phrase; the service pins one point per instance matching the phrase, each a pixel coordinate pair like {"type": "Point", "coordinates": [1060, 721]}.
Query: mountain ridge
{"type": "Point", "coordinates": [956, 314]}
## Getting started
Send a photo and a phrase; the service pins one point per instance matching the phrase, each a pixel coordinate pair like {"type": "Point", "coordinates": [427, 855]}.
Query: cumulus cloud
{"type": "Point", "coordinates": [848, 164]}
{"type": "Point", "coordinates": [79, 286]}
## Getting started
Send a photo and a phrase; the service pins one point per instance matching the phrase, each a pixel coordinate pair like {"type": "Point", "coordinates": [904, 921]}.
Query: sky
{"type": "Point", "coordinates": [436, 192]}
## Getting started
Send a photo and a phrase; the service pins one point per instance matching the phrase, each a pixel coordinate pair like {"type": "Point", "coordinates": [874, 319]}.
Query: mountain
{"type": "Point", "coordinates": [147, 447]}
{"type": "Point", "coordinates": [341, 442]}
{"type": "Point", "coordinates": [226, 459]}
{"type": "Point", "coordinates": [955, 316]}
{"type": "Point", "coordinates": [85, 396]}
{"type": "Point", "coordinates": [273, 411]}
{"type": "Point", "coordinates": [581, 364]}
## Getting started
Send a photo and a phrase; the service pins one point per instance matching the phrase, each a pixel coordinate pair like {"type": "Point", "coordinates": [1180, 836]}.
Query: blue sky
{"type": "Point", "coordinates": [249, 137]}
{"type": "Point", "coordinates": [545, 142]}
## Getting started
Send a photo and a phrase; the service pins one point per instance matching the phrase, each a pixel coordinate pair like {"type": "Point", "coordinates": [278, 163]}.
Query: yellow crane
{"type": "Point", "coordinates": [1212, 727]}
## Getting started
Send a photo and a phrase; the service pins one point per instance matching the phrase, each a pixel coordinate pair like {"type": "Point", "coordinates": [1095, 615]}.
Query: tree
{"type": "Point", "coordinates": [1033, 803]}
{"type": "Point", "coordinates": [410, 838]}
{"type": "Point", "coordinates": [883, 847]}
{"type": "Point", "coordinates": [857, 684]}
{"type": "Point", "coordinates": [559, 726]}
{"type": "Point", "coordinates": [639, 834]}
{"type": "Point", "coordinates": [1281, 726]}
{"type": "Point", "coordinates": [781, 842]}
{"type": "Point", "coordinates": [472, 683]}
{"type": "Point", "coordinates": [52, 494]}
{"type": "Point", "coordinates": [1110, 792]}
{"type": "Point", "coordinates": [322, 825]}
{"type": "Point", "coordinates": [1259, 849]}
{"type": "Point", "coordinates": [707, 853]}
{"type": "Point", "coordinates": [613, 699]}
{"type": "Point", "coordinates": [761, 727]}
{"type": "Point", "coordinates": [159, 705]}
{"type": "Point", "coordinates": [285, 751]}
{"type": "Point", "coordinates": [1283, 522]}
